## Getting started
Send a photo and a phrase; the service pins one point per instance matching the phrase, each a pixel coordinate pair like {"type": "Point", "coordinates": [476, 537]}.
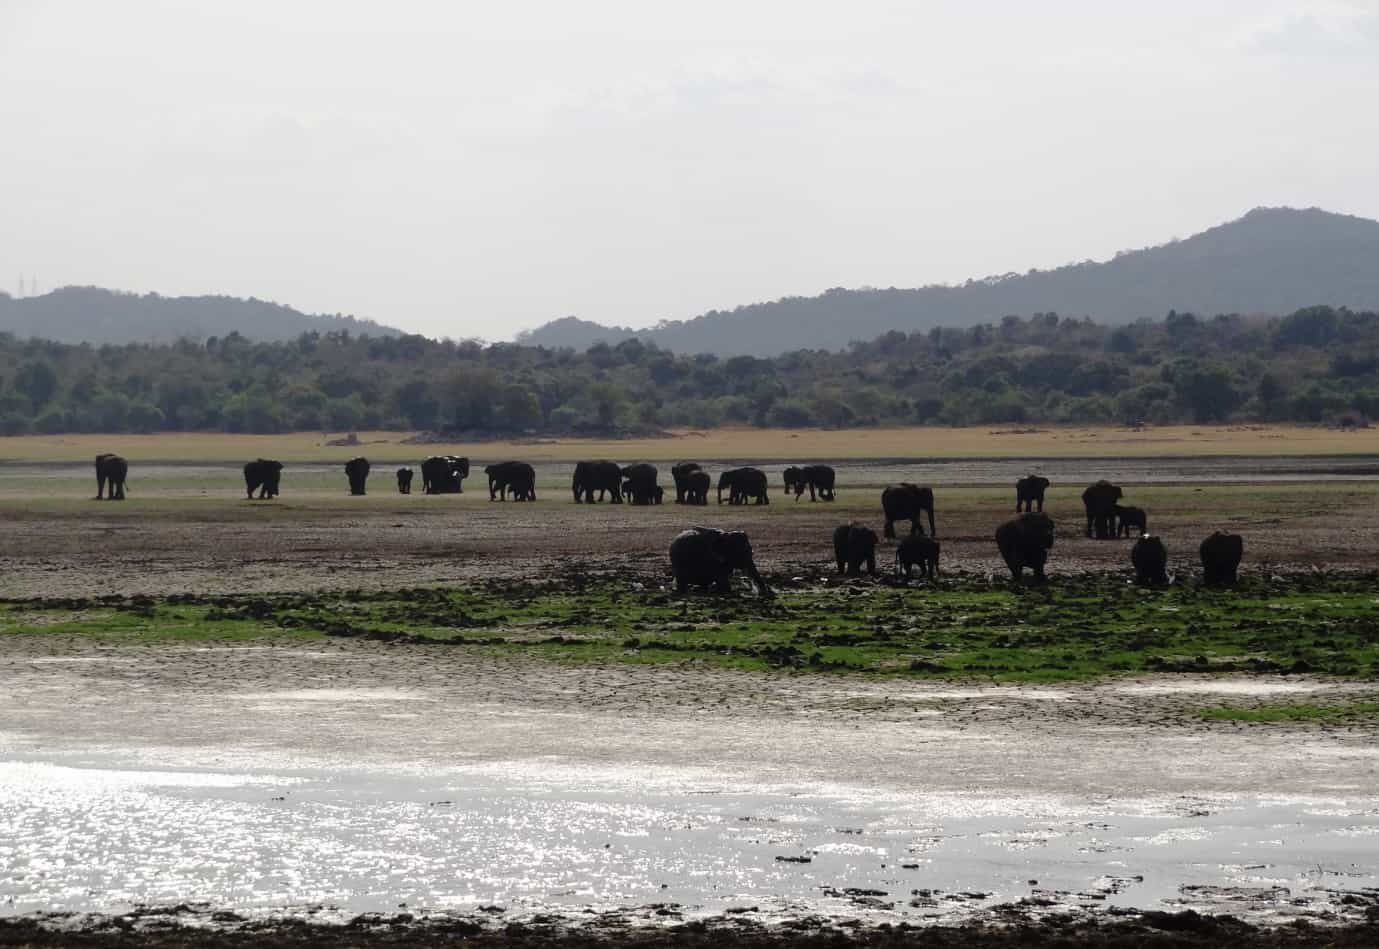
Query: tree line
{"type": "Point", "coordinates": [1318, 365]}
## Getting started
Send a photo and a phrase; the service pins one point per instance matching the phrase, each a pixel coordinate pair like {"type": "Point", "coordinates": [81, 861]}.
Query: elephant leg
{"type": "Point", "coordinates": [889, 530]}
{"type": "Point", "coordinates": [915, 527]}
{"type": "Point", "coordinates": [871, 564]}
{"type": "Point", "coordinates": [680, 584]}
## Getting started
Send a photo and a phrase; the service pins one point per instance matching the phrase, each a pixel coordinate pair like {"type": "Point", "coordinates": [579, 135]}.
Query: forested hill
{"type": "Point", "coordinates": [1316, 365]}
{"type": "Point", "coordinates": [94, 315]}
{"type": "Point", "coordinates": [1271, 261]}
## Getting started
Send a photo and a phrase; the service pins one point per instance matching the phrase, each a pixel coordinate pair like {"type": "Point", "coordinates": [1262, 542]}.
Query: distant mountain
{"type": "Point", "coordinates": [93, 315]}
{"type": "Point", "coordinates": [1271, 261]}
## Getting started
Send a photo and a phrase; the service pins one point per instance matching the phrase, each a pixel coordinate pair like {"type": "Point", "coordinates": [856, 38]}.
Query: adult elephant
{"type": "Point", "coordinates": [1025, 541]}
{"type": "Point", "coordinates": [705, 557]}
{"type": "Point", "coordinates": [1149, 557]}
{"type": "Point", "coordinates": [404, 481]}
{"type": "Point", "coordinates": [114, 470]}
{"type": "Point", "coordinates": [743, 484]}
{"type": "Point", "coordinates": [1221, 554]}
{"type": "Point", "coordinates": [697, 484]}
{"type": "Point", "coordinates": [515, 476]}
{"type": "Point", "coordinates": [444, 474]}
{"type": "Point", "coordinates": [262, 476]}
{"type": "Point", "coordinates": [1100, 500]}
{"type": "Point", "coordinates": [1029, 491]}
{"type": "Point", "coordinates": [819, 479]}
{"type": "Point", "coordinates": [905, 502]}
{"type": "Point", "coordinates": [854, 545]}
{"type": "Point", "coordinates": [681, 474]}
{"type": "Point", "coordinates": [605, 477]}
{"type": "Point", "coordinates": [640, 483]}
{"type": "Point", "coordinates": [357, 471]}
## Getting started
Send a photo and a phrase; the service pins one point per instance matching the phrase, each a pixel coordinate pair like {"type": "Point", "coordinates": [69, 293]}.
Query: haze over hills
{"type": "Point", "coordinates": [94, 315]}
{"type": "Point", "coordinates": [1271, 261]}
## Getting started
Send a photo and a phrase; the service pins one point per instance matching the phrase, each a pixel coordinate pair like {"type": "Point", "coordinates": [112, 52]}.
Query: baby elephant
{"type": "Point", "coordinates": [917, 550]}
{"type": "Point", "coordinates": [854, 545]}
{"type": "Point", "coordinates": [1150, 560]}
{"type": "Point", "coordinates": [1221, 555]}
{"type": "Point", "coordinates": [404, 481]}
{"type": "Point", "coordinates": [1129, 517]}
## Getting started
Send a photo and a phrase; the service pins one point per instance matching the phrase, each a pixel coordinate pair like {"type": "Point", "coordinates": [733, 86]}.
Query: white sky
{"type": "Point", "coordinates": [462, 168]}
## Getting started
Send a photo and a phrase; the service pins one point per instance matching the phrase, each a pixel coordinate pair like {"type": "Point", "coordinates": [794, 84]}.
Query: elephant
{"type": "Point", "coordinates": [681, 473]}
{"type": "Point", "coordinates": [743, 484]}
{"type": "Point", "coordinates": [1149, 557]}
{"type": "Point", "coordinates": [1128, 517]}
{"type": "Point", "coordinates": [605, 477]}
{"type": "Point", "coordinates": [404, 481]}
{"type": "Point", "coordinates": [818, 478]}
{"type": "Point", "coordinates": [917, 550]}
{"type": "Point", "coordinates": [1221, 554]}
{"type": "Point", "coordinates": [518, 476]}
{"type": "Point", "coordinates": [444, 474]}
{"type": "Point", "coordinates": [262, 476]}
{"type": "Point", "coordinates": [705, 557]}
{"type": "Point", "coordinates": [905, 502]}
{"type": "Point", "coordinates": [697, 484]}
{"type": "Point", "coordinates": [1029, 491]}
{"type": "Point", "coordinates": [1025, 541]}
{"type": "Point", "coordinates": [854, 545]}
{"type": "Point", "coordinates": [115, 470]}
{"type": "Point", "coordinates": [357, 470]}
{"type": "Point", "coordinates": [1100, 500]}
{"type": "Point", "coordinates": [639, 483]}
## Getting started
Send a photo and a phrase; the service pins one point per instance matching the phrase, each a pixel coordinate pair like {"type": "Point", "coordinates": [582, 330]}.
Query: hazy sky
{"type": "Point", "coordinates": [474, 169]}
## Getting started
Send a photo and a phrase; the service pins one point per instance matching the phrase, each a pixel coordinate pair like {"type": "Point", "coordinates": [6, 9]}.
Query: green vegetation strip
{"type": "Point", "coordinates": [1078, 628]}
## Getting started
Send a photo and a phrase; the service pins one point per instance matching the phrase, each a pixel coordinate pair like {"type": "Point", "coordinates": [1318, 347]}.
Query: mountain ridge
{"type": "Point", "coordinates": [1268, 261]}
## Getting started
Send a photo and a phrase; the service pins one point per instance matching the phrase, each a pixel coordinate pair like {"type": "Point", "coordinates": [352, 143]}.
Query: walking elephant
{"type": "Point", "coordinates": [1221, 554]}
{"type": "Point", "coordinates": [905, 502]}
{"type": "Point", "coordinates": [681, 474]}
{"type": "Point", "coordinates": [404, 481]}
{"type": "Point", "coordinates": [357, 471]}
{"type": "Point", "coordinates": [444, 474]}
{"type": "Point", "coordinates": [1100, 500]}
{"type": "Point", "coordinates": [705, 557]}
{"type": "Point", "coordinates": [1149, 557]}
{"type": "Point", "coordinates": [817, 478]}
{"type": "Point", "coordinates": [743, 484]}
{"type": "Point", "coordinates": [917, 550]}
{"type": "Point", "coordinates": [515, 476]}
{"type": "Point", "coordinates": [262, 476]}
{"type": "Point", "coordinates": [605, 477]}
{"type": "Point", "coordinates": [854, 545]}
{"type": "Point", "coordinates": [697, 484]}
{"type": "Point", "coordinates": [1128, 517]}
{"type": "Point", "coordinates": [1025, 541]}
{"type": "Point", "coordinates": [639, 483]}
{"type": "Point", "coordinates": [1029, 491]}
{"type": "Point", "coordinates": [112, 470]}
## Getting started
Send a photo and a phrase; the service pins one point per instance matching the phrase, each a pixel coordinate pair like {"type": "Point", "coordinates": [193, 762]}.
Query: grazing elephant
{"type": "Point", "coordinates": [697, 484]}
{"type": "Point", "coordinates": [1029, 491]}
{"type": "Point", "coordinates": [444, 474]}
{"type": "Point", "coordinates": [917, 550]}
{"type": "Point", "coordinates": [704, 557]}
{"type": "Point", "coordinates": [854, 545]}
{"type": "Point", "coordinates": [1149, 557]}
{"type": "Point", "coordinates": [605, 477]}
{"type": "Point", "coordinates": [817, 478]}
{"type": "Point", "coordinates": [404, 481]}
{"type": "Point", "coordinates": [112, 469]}
{"type": "Point", "coordinates": [517, 476]}
{"type": "Point", "coordinates": [905, 502]}
{"type": "Point", "coordinates": [639, 483]}
{"type": "Point", "coordinates": [1100, 499]}
{"type": "Point", "coordinates": [743, 484]}
{"type": "Point", "coordinates": [262, 476]}
{"type": "Point", "coordinates": [1221, 555]}
{"type": "Point", "coordinates": [681, 473]}
{"type": "Point", "coordinates": [1025, 541]}
{"type": "Point", "coordinates": [357, 470]}
{"type": "Point", "coordinates": [1129, 517]}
